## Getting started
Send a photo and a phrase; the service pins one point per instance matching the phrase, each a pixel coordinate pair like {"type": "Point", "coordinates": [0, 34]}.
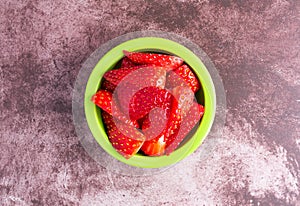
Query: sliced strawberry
{"type": "Point", "coordinates": [192, 118]}
{"type": "Point", "coordinates": [154, 123]}
{"type": "Point", "coordinates": [167, 135]}
{"type": "Point", "coordinates": [116, 75]}
{"type": "Point", "coordinates": [141, 121]}
{"type": "Point", "coordinates": [174, 123]}
{"type": "Point", "coordinates": [185, 97]}
{"type": "Point", "coordinates": [148, 76]}
{"type": "Point", "coordinates": [106, 85]}
{"type": "Point", "coordinates": [104, 100]}
{"type": "Point", "coordinates": [124, 93]}
{"type": "Point", "coordinates": [182, 76]}
{"type": "Point", "coordinates": [168, 61]}
{"type": "Point", "coordinates": [126, 63]}
{"type": "Point", "coordinates": [136, 80]}
{"type": "Point", "coordinates": [154, 147]}
{"type": "Point", "coordinates": [126, 139]}
{"type": "Point", "coordinates": [148, 98]}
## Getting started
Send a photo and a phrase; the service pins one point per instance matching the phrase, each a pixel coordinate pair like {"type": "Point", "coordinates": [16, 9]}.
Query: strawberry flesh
{"type": "Point", "coordinates": [154, 147]}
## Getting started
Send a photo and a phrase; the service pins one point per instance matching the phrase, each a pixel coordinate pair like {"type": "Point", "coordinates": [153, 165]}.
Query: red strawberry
{"type": "Point", "coordinates": [168, 61]}
{"type": "Point", "coordinates": [154, 123]}
{"type": "Point", "coordinates": [185, 97]}
{"type": "Point", "coordinates": [124, 93]}
{"type": "Point", "coordinates": [182, 76]}
{"type": "Point", "coordinates": [106, 85]}
{"type": "Point", "coordinates": [174, 123]}
{"type": "Point", "coordinates": [116, 75]}
{"type": "Point", "coordinates": [136, 80]}
{"type": "Point", "coordinates": [153, 126]}
{"type": "Point", "coordinates": [104, 100]}
{"type": "Point", "coordinates": [192, 118]}
{"type": "Point", "coordinates": [155, 147]}
{"type": "Point", "coordinates": [126, 63]}
{"type": "Point", "coordinates": [126, 139]}
{"type": "Point", "coordinates": [148, 98]}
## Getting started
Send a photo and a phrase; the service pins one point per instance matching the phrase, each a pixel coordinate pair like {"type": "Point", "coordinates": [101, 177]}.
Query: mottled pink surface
{"type": "Point", "coordinates": [253, 44]}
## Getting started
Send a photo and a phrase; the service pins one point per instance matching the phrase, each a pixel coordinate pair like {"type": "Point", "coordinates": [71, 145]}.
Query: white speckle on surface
{"type": "Point", "coordinates": [238, 159]}
{"type": "Point", "coordinates": [298, 143]}
{"type": "Point", "coordinates": [120, 197]}
{"type": "Point", "coordinates": [287, 73]}
{"type": "Point", "coordinates": [12, 200]}
{"type": "Point", "coordinates": [62, 179]}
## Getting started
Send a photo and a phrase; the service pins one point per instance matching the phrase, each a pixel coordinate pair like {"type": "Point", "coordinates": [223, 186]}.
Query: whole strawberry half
{"type": "Point", "coordinates": [126, 139]}
{"type": "Point", "coordinates": [188, 122]}
{"type": "Point", "coordinates": [163, 60]}
{"type": "Point", "coordinates": [182, 76]}
{"type": "Point", "coordinates": [104, 100]}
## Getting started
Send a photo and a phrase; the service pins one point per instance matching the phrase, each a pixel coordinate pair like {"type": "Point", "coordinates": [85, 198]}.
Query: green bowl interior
{"type": "Point", "coordinates": [205, 96]}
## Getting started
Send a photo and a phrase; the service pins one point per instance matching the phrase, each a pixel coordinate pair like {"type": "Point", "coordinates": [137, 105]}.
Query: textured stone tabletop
{"type": "Point", "coordinates": [254, 46]}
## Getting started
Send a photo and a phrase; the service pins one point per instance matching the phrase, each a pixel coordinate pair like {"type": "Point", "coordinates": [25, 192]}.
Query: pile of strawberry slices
{"type": "Point", "coordinates": [148, 103]}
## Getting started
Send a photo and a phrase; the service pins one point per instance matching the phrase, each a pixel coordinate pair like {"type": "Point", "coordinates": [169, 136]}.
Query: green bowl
{"type": "Point", "coordinates": [206, 96]}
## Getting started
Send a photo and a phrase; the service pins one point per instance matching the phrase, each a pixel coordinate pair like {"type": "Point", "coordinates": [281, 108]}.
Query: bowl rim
{"type": "Point", "coordinates": [109, 60]}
